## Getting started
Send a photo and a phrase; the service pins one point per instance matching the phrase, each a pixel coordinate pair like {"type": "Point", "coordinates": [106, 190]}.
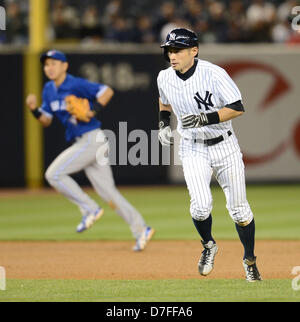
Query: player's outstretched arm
{"type": "Point", "coordinates": [31, 102]}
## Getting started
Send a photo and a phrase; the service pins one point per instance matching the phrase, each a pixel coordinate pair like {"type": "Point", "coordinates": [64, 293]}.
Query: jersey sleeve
{"type": "Point", "coordinates": [45, 108]}
{"type": "Point", "coordinates": [162, 95]}
{"type": "Point", "coordinates": [226, 88]}
{"type": "Point", "coordinates": [90, 90]}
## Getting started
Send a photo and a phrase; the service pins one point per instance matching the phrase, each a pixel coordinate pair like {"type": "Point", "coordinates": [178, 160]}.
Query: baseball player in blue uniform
{"type": "Point", "coordinates": [205, 100]}
{"type": "Point", "coordinates": [81, 155]}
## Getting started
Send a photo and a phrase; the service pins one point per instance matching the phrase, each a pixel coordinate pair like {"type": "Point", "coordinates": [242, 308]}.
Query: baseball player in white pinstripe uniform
{"type": "Point", "coordinates": [205, 100]}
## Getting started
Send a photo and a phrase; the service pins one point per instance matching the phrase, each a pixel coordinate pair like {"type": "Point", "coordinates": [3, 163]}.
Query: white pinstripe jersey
{"type": "Point", "coordinates": [209, 89]}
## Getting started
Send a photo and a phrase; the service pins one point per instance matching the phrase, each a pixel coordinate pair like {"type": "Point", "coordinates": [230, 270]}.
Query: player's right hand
{"type": "Point", "coordinates": [165, 136]}
{"type": "Point", "coordinates": [31, 101]}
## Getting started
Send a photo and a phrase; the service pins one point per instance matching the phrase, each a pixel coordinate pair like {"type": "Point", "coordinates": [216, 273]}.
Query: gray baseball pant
{"type": "Point", "coordinates": [82, 156]}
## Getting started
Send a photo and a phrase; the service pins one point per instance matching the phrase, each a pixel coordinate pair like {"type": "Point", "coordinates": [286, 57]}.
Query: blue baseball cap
{"type": "Point", "coordinates": [54, 54]}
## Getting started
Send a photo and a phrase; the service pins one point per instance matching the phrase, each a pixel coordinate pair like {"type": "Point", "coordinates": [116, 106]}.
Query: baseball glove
{"type": "Point", "coordinates": [78, 107]}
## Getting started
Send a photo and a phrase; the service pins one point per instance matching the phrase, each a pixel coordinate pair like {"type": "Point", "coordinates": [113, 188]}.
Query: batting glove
{"type": "Point", "coordinates": [191, 120]}
{"type": "Point", "coordinates": [165, 136]}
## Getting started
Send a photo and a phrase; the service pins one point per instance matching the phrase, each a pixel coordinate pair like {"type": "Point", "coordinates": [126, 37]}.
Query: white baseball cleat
{"type": "Point", "coordinates": [206, 261]}
{"type": "Point", "coordinates": [89, 220]}
{"type": "Point", "coordinates": [252, 273]}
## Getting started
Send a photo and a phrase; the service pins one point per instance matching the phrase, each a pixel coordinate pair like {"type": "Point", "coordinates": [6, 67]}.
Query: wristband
{"type": "Point", "coordinates": [36, 113]}
{"type": "Point", "coordinates": [164, 119]}
{"type": "Point", "coordinates": [97, 107]}
{"type": "Point", "coordinates": [213, 118]}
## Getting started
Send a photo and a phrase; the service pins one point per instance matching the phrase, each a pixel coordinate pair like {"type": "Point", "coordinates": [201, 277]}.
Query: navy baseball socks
{"type": "Point", "coordinates": [246, 234]}
{"type": "Point", "coordinates": [206, 261]}
{"type": "Point", "coordinates": [204, 229]}
{"type": "Point", "coordinates": [247, 237]}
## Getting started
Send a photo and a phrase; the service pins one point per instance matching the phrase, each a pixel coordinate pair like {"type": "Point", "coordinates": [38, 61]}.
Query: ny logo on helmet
{"type": "Point", "coordinates": [172, 36]}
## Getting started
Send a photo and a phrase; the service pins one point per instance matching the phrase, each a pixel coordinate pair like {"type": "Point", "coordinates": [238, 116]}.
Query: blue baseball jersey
{"type": "Point", "coordinates": [54, 103]}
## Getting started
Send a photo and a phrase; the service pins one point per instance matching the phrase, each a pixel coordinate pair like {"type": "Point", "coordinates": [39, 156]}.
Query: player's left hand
{"type": "Point", "coordinates": [165, 136]}
{"type": "Point", "coordinates": [190, 120]}
{"type": "Point", "coordinates": [79, 108]}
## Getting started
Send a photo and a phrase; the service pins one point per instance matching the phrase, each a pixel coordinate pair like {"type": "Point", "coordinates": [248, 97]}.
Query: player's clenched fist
{"type": "Point", "coordinates": [191, 120]}
{"type": "Point", "coordinates": [31, 101]}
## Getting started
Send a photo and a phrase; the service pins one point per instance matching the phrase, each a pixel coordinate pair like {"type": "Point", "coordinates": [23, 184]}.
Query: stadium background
{"type": "Point", "coordinates": [117, 42]}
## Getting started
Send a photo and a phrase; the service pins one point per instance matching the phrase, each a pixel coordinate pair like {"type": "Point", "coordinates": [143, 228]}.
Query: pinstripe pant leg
{"type": "Point", "coordinates": [197, 174]}
{"type": "Point", "coordinates": [231, 176]}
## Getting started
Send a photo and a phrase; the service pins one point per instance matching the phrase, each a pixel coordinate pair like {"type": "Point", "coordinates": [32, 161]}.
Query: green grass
{"type": "Point", "coordinates": [199, 290]}
{"type": "Point", "coordinates": [52, 217]}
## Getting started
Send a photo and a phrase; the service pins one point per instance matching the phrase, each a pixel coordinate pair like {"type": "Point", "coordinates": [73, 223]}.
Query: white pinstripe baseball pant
{"type": "Point", "coordinates": [225, 161]}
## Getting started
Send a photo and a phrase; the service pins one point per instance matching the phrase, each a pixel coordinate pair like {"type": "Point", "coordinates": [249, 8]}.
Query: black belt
{"type": "Point", "coordinates": [213, 141]}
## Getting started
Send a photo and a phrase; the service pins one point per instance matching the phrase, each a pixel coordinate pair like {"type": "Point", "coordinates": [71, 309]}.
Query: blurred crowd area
{"type": "Point", "coordinates": [149, 21]}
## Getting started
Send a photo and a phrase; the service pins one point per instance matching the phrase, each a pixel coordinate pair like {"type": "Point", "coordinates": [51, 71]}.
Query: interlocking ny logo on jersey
{"type": "Point", "coordinates": [206, 101]}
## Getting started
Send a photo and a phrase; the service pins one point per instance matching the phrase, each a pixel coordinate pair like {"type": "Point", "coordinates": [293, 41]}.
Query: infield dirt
{"type": "Point", "coordinates": [161, 260]}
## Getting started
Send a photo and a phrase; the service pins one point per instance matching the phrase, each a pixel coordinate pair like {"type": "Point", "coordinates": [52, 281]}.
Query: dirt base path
{"type": "Point", "coordinates": [161, 260]}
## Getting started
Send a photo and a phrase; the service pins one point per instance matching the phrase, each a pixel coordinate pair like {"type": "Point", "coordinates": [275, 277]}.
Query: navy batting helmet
{"type": "Point", "coordinates": [180, 38]}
